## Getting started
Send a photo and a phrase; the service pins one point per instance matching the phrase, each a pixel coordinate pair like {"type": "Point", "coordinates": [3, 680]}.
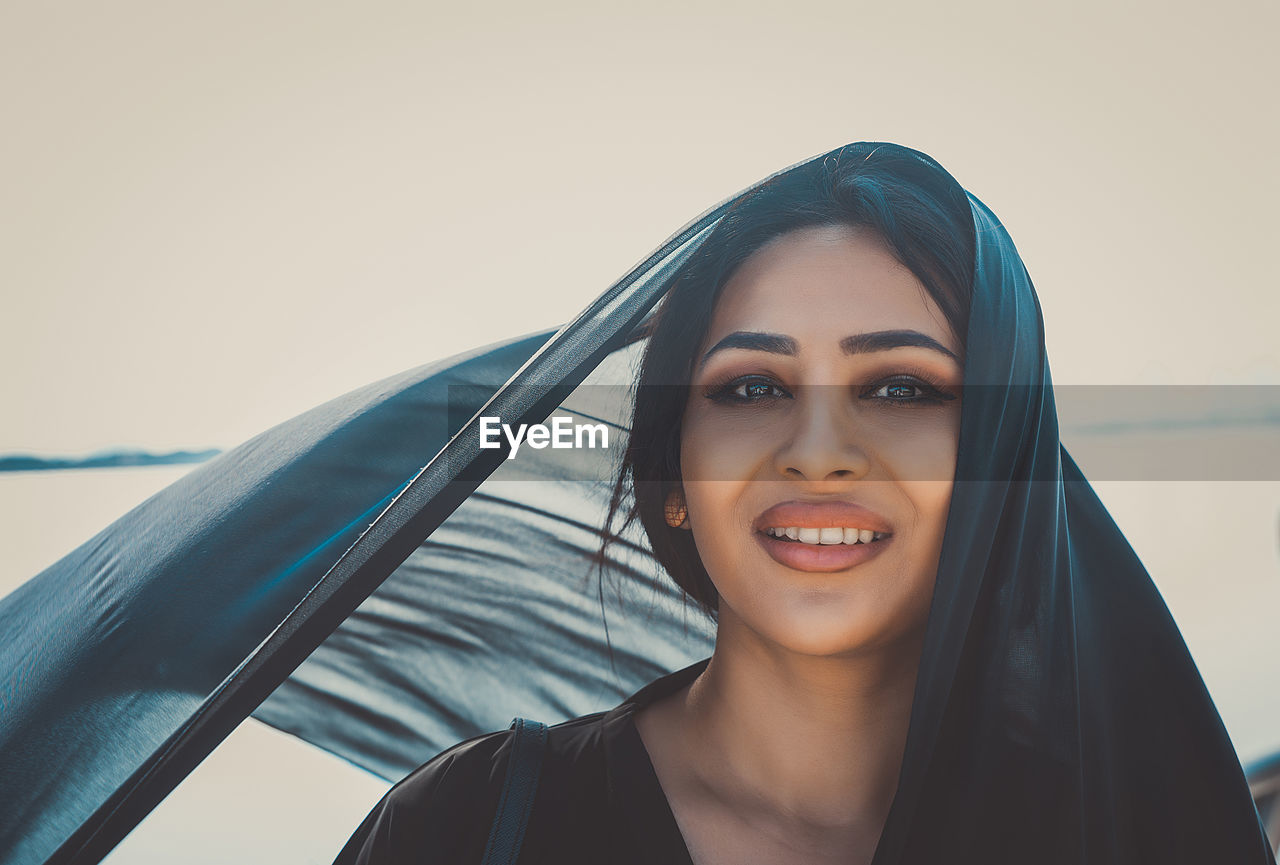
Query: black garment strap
{"type": "Point", "coordinates": [517, 793]}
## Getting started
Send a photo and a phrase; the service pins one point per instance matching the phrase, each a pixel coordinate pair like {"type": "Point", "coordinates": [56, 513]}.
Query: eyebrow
{"type": "Point", "coordinates": [859, 343]}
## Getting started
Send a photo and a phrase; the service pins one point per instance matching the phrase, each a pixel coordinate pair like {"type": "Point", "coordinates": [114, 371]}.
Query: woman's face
{"type": "Point", "coordinates": [818, 402]}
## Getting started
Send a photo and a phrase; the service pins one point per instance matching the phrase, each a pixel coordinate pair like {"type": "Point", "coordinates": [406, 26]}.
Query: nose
{"type": "Point", "coordinates": [824, 444]}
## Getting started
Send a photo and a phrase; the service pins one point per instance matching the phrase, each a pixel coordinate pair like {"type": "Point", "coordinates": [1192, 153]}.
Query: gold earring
{"type": "Point", "coordinates": [676, 512]}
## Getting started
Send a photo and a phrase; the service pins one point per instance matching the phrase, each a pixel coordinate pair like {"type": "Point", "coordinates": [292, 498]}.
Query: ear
{"type": "Point", "coordinates": [676, 512]}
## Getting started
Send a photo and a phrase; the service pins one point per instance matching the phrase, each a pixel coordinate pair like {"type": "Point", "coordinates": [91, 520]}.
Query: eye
{"type": "Point", "coordinates": [906, 390]}
{"type": "Point", "coordinates": [747, 389]}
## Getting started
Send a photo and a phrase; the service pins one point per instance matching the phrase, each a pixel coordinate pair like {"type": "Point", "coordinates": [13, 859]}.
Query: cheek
{"type": "Point", "coordinates": [719, 475]}
{"type": "Point", "coordinates": [726, 446]}
{"type": "Point", "coordinates": [925, 468]}
{"type": "Point", "coordinates": [932, 502]}
{"type": "Point", "coordinates": [921, 453]}
{"type": "Point", "coordinates": [716, 521]}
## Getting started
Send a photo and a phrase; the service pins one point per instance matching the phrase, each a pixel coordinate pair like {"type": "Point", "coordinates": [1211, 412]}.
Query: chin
{"type": "Point", "coordinates": [826, 629]}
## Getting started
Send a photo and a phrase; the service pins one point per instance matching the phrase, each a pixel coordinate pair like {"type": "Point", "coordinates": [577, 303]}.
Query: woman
{"type": "Point", "coordinates": [932, 642]}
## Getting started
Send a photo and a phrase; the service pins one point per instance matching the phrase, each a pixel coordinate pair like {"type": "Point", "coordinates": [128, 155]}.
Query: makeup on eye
{"type": "Point", "coordinates": [911, 387]}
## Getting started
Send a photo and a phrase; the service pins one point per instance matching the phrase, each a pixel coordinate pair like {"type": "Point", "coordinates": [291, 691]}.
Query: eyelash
{"type": "Point", "coordinates": [930, 387]}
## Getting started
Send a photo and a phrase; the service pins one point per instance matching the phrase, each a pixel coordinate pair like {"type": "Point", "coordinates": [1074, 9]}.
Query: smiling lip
{"type": "Point", "coordinates": [822, 515]}
{"type": "Point", "coordinates": [822, 558]}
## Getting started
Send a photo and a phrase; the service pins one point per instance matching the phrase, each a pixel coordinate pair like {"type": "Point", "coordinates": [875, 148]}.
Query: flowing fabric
{"type": "Point", "coordinates": [1058, 716]}
{"type": "Point", "coordinates": [109, 651]}
{"type": "Point", "coordinates": [125, 663]}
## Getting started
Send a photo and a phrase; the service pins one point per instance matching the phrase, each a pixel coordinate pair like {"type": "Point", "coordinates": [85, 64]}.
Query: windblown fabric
{"type": "Point", "coordinates": [1058, 716]}
{"type": "Point", "coordinates": [107, 652]}
{"type": "Point", "coordinates": [125, 663]}
{"type": "Point", "coordinates": [498, 614]}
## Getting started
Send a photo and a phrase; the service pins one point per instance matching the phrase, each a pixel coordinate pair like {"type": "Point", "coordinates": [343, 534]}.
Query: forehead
{"type": "Point", "coordinates": [822, 284]}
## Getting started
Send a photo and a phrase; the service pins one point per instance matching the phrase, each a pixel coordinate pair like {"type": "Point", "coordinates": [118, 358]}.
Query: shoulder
{"type": "Point", "coordinates": [442, 811]}
{"type": "Point", "coordinates": [436, 807]}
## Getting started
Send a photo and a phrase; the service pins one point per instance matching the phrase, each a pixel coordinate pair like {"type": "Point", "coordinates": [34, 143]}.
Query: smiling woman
{"type": "Point", "coordinates": [932, 643]}
{"type": "Point", "coordinates": [816, 465]}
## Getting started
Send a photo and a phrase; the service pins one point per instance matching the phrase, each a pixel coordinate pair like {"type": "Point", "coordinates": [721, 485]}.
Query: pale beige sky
{"type": "Point", "coordinates": [215, 216]}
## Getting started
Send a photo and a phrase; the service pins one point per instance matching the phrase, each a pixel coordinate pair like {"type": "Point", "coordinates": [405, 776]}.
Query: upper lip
{"type": "Point", "coordinates": [821, 515]}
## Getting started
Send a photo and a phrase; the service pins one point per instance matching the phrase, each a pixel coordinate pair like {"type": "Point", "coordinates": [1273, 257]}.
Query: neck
{"type": "Point", "coordinates": [814, 739]}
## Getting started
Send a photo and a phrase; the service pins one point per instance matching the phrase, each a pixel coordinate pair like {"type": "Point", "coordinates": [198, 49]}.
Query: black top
{"type": "Point", "coordinates": [598, 799]}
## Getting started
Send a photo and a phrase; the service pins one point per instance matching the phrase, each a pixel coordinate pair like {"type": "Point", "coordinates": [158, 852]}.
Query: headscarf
{"type": "Point", "coordinates": [400, 589]}
{"type": "Point", "coordinates": [1058, 715]}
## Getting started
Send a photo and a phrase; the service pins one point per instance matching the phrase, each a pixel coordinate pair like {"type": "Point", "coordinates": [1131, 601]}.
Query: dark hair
{"type": "Point", "coordinates": [909, 200]}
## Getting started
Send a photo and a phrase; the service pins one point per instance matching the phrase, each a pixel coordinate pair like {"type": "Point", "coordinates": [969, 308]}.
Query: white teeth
{"type": "Point", "coordinates": [834, 535]}
{"type": "Point", "coordinates": [831, 536]}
